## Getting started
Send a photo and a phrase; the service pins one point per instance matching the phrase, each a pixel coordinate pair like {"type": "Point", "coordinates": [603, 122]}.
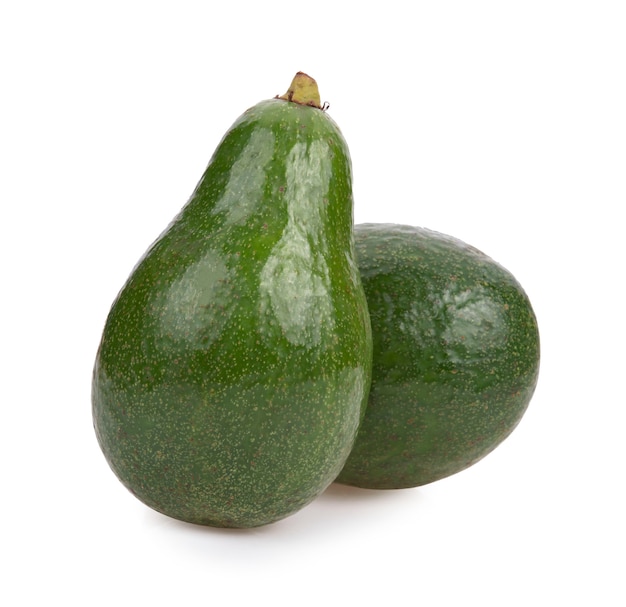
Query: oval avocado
{"type": "Point", "coordinates": [235, 363]}
{"type": "Point", "coordinates": [456, 357]}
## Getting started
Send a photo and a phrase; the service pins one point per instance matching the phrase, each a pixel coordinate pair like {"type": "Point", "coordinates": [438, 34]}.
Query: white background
{"type": "Point", "coordinates": [502, 123]}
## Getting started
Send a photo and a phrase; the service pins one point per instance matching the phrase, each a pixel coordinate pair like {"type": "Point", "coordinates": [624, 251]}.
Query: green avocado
{"type": "Point", "coordinates": [235, 363]}
{"type": "Point", "coordinates": [456, 357]}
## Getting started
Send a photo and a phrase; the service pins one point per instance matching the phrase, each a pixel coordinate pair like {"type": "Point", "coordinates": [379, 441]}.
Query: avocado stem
{"type": "Point", "coordinates": [303, 90]}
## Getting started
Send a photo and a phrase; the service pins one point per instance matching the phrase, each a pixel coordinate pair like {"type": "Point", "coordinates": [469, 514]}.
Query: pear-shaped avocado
{"type": "Point", "coordinates": [235, 362]}
{"type": "Point", "coordinates": [456, 357]}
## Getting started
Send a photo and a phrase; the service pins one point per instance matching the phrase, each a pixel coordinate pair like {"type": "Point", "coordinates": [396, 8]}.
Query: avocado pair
{"type": "Point", "coordinates": [237, 361]}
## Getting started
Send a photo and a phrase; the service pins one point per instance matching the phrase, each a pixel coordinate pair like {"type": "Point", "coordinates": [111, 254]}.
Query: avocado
{"type": "Point", "coordinates": [235, 362]}
{"type": "Point", "coordinates": [456, 357]}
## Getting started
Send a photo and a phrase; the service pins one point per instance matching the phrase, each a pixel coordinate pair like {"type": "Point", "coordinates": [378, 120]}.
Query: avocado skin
{"type": "Point", "coordinates": [235, 363]}
{"type": "Point", "coordinates": [456, 357]}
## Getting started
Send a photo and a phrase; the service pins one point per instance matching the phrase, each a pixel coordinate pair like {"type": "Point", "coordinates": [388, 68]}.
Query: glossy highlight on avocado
{"type": "Point", "coordinates": [456, 357]}
{"type": "Point", "coordinates": [235, 363]}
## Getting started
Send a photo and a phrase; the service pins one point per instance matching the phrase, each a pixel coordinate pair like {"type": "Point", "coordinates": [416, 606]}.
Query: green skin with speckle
{"type": "Point", "coordinates": [235, 363]}
{"type": "Point", "coordinates": [456, 357]}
